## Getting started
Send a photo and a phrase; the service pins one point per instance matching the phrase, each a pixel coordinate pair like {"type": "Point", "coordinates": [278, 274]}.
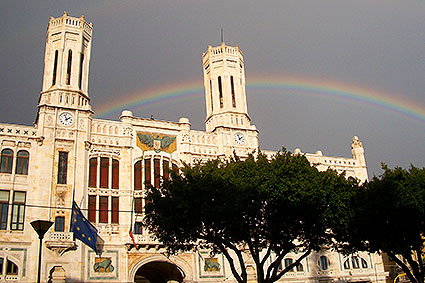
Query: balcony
{"type": "Point", "coordinates": [143, 241]}
{"type": "Point", "coordinates": [60, 242]}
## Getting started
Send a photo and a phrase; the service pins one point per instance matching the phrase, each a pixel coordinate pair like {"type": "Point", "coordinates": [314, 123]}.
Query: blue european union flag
{"type": "Point", "coordinates": [82, 228]}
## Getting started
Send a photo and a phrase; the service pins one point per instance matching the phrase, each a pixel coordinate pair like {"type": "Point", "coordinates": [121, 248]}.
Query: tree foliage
{"type": "Point", "coordinates": [388, 216]}
{"type": "Point", "coordinates": [262, 207]}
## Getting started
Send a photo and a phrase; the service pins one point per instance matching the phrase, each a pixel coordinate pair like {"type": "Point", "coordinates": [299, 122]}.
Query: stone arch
{"type": "Point", "coordinates": [179, 270]}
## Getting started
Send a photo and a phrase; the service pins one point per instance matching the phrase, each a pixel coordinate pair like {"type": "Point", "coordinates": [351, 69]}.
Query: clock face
{"type": "Point", "coordinates": [239, 138]}
{"type": "Point", "coordinates": [66, 119]}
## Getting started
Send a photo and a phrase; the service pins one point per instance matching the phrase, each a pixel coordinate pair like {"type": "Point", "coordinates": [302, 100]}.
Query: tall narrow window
{"type": "Point", "coordinates": [211, 93]}
{"type": "Point", "coordinates": [355, 262]}
{"type": "Point", "coordinates": [62, 167]}
{"type": "Point", "coordinates": [59, 223]}
{"type": "Point", "coordinates": [300, 267]}
{"type": "Point", "coordinates": [92, 209]}
{"type": "Point", "coordinates": [148, 179]}
{"type": "Point", "coordinates": [6, 161]}
{"type": "Point", "coordinates": [93, 172]}
{"type": "Point", "coordinates": [138, 175]}
{"type": "Point", "coordinates": [55, 68]}
{"type": "Point", "coordinates": [115, 210]}
{"type": "Point", "coordinates": [68, 69]}
{"type": "Point", "coordinates": [18, 211]}
{"type": "Point", "coordinates": [138, 228]}
{"type": "Point", "coordinates": [4, 209]}
{"type": "Point", "coordinates": [232, 86]}
{"type": "Point", "coordinates": [364, 263]}
{"type": "Point", "coordinates": [104, 172]}
{"type": "Point", "coordinates": [22, 162]}
{"type": "Point", "coordinates": [156, 172]}
{"type": "Point", "coordinates": [103, 209]}
{"type": "Point", "coordinates": [80, 75]}
{"type": "Point", "coordinates": [175, 168]}
{"type": "Point", "coordinates": [115, 173]}
{"type": "Point", "coordinates": [138, 207]}
{"type": "Point", "coordinates": [323, 262]}
{"type": "Point", "coordinates": [220, 92]}
{"type": "Point", "coordinates": [166, 169]}
{"type": "Point", "coordinates": [288, 262]}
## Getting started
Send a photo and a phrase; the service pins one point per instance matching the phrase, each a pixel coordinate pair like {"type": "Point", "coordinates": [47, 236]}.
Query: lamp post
{"type": "Point", "coordinates": [41, 227]}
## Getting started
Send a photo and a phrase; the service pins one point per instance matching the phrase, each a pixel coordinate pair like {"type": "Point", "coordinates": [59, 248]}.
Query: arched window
{"type": "Point", "coordinates": [55, 67]}
{"type": "Point", "coordinates": [11, 268]}
{"type": "Point", "coordinates": [323, 262]}
{"type": "Point", "coordinates": [6, 161]}
{"type": "Point", "coordinates": [68, 69]}
{"type": "Point", "coordinates": [220, 92]}
{"type": "Point", "coordinates": [22, 162]}
{"type": "Point", "coordinates": [232, 85]}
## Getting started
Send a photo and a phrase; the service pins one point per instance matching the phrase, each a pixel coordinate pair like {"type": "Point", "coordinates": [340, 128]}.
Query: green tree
{"type": "Point", "coordinates": [259, 207]}
{"type": "Point", "coordinates": [388, 216]}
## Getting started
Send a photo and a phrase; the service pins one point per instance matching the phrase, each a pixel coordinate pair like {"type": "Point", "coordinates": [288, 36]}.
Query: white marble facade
{"type": "Point", "coordinates": [107, 162]}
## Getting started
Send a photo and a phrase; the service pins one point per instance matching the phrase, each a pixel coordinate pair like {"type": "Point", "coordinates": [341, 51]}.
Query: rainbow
{"type": "Point", "coordinates": [281, 86]}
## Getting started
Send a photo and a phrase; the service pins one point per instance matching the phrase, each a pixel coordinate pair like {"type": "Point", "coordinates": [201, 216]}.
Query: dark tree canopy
{"type": "Point", "coordinates": [388, 216]}
{"type": "Point", "coordinates": [267, 206]}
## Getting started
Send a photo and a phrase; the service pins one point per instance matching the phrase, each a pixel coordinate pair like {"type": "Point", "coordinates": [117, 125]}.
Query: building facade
{"type": "Point", "coordinates": [104, 164]}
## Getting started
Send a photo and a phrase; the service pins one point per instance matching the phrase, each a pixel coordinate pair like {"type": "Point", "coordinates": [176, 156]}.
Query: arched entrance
{"type": "Point", "coordinates": [158, 272]}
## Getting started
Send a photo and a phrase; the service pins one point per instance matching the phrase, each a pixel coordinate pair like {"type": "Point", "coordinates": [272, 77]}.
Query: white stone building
{"type": "Point", "coordinates": [106, 164]}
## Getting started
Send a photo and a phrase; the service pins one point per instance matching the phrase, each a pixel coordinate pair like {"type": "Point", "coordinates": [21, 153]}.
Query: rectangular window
{"type": "Point", "coordinates": [104, 172]}
{"type": "Point", "coordinates": [156, 172]}
{"type": "Point", "coordinates": [55, 66]}
{"type": "Point", "coordinates": [59, 224]}
{"type": "Point", "coordinates": [92, 209]}
{"type": "Point", "coordinates": [80, 75]}
{"type": "Point", "coordinates": [220, 92]}
{"type": "Point", "coordinates": [93, 172]}
{"type": "Point", "coordinates": [138, 228]}
{"type": "Point", "coordinates": [148, 171]}
{"type": "Point", "coordinates": [115, 210]}
{"type": "Point", "coordinates": [18, 211]}
{"type": "Point", "coordinates": [62, 167]}
{"type": "Point", "coordinates": [4, 209]}
{"type": "Point", "coordinates": [138, 175]}
{"type": "Point", "coordinates": [138, 206]}
{"type": "Point", "coordinates": [103, 209]}
{"type": "Point", "coordinates": [232, 84]}
{"type": "Point", "coordinates": [115, 173]}
{"type": "Point", "coordinates": [166, 169]}
{"type": "Point", "coordinates": [212, 101]}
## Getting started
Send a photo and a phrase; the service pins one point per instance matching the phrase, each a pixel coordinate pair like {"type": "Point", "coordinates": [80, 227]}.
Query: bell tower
{"type": "Point", "coordinates": [66, 64]}
{"type": "Point", "coordinates": [224, 82]}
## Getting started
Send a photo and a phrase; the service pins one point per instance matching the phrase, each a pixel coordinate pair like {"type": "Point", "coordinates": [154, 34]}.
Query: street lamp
{"type": "Point", "coordinates": [41, 227]}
